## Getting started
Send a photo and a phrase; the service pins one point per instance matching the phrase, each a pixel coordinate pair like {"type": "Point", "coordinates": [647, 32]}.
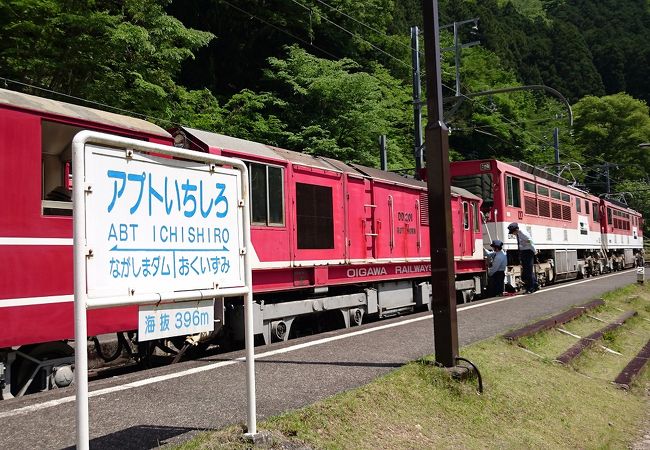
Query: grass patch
{"type": "Point", "coordinates": [529, 401]}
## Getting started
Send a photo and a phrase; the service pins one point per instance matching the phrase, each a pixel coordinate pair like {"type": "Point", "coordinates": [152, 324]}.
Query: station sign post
{"type": "Point", "coordinates": [163, 228]}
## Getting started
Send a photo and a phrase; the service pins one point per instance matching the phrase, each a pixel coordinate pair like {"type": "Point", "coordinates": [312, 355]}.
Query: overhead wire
{"type": "Point", "coordinates": [366, 25]}
{"type": "Point", "coordinates": [351, 33]}
{"type": "Point", "coordinates": [281, 30]}
{"type": "Point", "coordinates": [91, 102]}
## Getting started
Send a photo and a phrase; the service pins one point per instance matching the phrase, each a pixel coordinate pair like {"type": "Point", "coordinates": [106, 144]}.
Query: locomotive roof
{"type": "Point", "coordinates": [268, 152]}
{"type": "Point", "coordinates": [538, 172]}
{"type": "Point", "coordinates": [620, 205]}
{"type": "Point", "coordinates": [54, 107]}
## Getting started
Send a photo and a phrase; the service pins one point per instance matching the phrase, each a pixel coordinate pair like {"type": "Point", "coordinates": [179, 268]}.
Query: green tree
{"type": "Point", "coordinates": [335, 109]}
{"type": "Point", "coordinates": [125, 54]}
{"type": "Point", "coordinates": [610, 128]}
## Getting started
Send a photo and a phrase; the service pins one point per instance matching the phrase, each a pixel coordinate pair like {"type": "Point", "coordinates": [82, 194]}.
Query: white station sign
{"type": "Point", "coordinates": [160, 224]}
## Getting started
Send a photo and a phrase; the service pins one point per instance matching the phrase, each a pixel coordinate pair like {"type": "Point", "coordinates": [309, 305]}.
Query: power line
{"type": "Point", "coordinates": [545, 119]}
{"type": "Point", "coordinates": [280, 29]}
{"type": "Point", "coordinates": [354, 35]}
{"type": "Point", "coordinates": [366, 25]}
{"type": "Point", "coordinates": [104, 106]}
{"type": "Point", "coordinates": [92, 102]}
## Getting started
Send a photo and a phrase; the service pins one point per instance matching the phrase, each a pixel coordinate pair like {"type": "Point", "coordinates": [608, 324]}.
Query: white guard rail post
{"type": "Point", "coordinates": [87, 296]}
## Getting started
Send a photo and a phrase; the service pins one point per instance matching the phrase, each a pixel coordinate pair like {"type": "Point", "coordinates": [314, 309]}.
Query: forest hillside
{"type": "Point", "coordinates": [328, 77]}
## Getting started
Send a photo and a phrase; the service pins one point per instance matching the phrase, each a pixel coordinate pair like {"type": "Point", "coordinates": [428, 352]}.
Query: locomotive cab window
{"type": "Point", "coordinates": [56, 168]}
{"type": "Point", "coordinates": [513, 192]}
{"type": "Point", "coordinates": [578, 203]}
{"type": "Point", "coordinates": [267, 194]}
{"type": "Point", "coordinates": [477, 223]}
{"type": "Point", "coordinates": [315, 218]}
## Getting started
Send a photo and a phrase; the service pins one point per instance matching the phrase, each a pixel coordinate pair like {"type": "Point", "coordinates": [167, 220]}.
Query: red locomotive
{"type": "Point", "coordinates": [336, 240]}
{"type": "Point", "coordinates": [576, 234]}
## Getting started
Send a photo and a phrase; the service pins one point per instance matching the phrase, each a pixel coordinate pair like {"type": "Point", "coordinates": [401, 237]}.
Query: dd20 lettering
{"type": "Point", "coordinates": [405, 216]}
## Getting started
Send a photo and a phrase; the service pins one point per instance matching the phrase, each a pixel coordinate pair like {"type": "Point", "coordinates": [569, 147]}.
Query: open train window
{"type": "Point", "coordinates": [594, 211]}
{"type": "Point", "coordinates": [609, 216]}
{"type": "Point", "coordinates": [513, 190]}
{"type": "Point", "coordinates": [267, 194]}
{"type": "Point", "coordinates": [480, 185]}
{"type": "Point", "coordinates": [315, 219]}
{"type": "Point", "coordinates": [56, 168]}
{"type": "Point", "coordinates": [465, 215]}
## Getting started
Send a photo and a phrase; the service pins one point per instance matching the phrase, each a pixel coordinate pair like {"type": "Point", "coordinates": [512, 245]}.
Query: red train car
{"type": "Point", "coordinates": [330, 239]}
{"type": "Point", "coordinates": [575, 233]}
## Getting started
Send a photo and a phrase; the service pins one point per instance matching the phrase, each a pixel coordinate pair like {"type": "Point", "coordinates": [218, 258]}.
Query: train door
{"type": "Point", "coordinates": [369, 208]}
{"type": "Point", "coordinates": [466, 220]}
{"type": "Point", "coordinates": [360, 215]}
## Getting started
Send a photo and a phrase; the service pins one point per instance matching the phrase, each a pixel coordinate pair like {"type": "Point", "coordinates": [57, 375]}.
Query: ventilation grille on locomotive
{"type": "Point", "coordinates": [424, 209]}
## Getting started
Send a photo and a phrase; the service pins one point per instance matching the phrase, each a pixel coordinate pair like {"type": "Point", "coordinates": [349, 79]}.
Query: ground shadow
{"type": "Point", "coordinates": [140, 437]}
{"type": "Point", "coordinates": [331, 363]}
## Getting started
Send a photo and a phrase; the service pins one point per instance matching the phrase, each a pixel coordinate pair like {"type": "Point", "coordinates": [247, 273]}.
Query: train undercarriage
{"type": "Point", "coordinates": [39, 367]}
{"type": "Point", "coordinates": [277, 317]}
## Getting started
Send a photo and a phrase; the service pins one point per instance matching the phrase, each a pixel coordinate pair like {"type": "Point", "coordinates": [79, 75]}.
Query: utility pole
{"type": "Point", "coordinates": [458, 46]}
{"type": "Point", "coordinates": [417, 103]}
{"type": "Point", "coordinates": [445, 326]}
{"type": "Point", "coordinates": [383, 154]}
{"type": "Point", "coordinates": [556, 146]}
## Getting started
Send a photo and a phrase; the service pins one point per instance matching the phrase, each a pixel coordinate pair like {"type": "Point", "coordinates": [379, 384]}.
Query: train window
{"type": "Point", "coordinates": [267, 195]}
{"type": "Point", "coordinates": [555, 194]}
{"type": "Point", "coordinates": [480, 185]}
{"type": "Point", "coordinates": [594, 211]}
{"type": "Point", "coordinates": [609, 216]}
{"type": "Point", "coordinates": [514, 194]}
{"type": "Point", "coordinates": [276, 199]}
{"type": "Point", "coordinates": [477, 223]}
{"type": "Point", "coordinates": [578, 204]}
{"type": "Point", "coordinates": [56, 165]}
{"type": "Point", "coordinates": [465, 215]}
{"type": "Point", "coordinates": [586, 207]}
{"type": "Point", "coordinates": [566, 197]}
{"type": "Point", "coordinates": [541, 190]}
{"type": "Point", "coordinates": [529, 187]}
{"type": "Point", "coordinates": [315, 220]}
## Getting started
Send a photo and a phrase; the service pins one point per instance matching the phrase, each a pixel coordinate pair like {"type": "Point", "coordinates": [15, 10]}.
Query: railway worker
{"type": "Point", "coordinates": [526, 256]}
{"type": "Point", "coordinates": [498, 261]}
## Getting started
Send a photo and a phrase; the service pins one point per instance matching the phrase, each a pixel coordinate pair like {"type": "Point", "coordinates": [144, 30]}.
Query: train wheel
{"type": "Point", "coordinates": [41, 367]}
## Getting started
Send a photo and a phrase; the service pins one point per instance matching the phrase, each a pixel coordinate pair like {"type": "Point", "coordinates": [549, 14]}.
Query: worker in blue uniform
{"type": "Point", "coordinates": [497, 264]}
{"type": "Point", "coordinates": [526, 256]}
